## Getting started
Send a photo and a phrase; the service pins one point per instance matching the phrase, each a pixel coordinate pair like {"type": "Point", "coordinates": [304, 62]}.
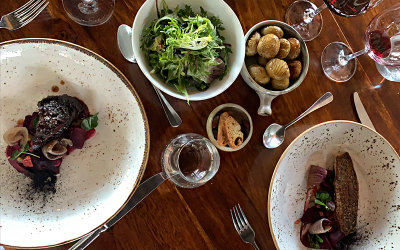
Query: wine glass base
{"type": "Point", "coordinates": [300, 15]}
{"type": "Point", "coordinates": [93, 14]}
{"type": "Point", "coordinates": [334, 65]}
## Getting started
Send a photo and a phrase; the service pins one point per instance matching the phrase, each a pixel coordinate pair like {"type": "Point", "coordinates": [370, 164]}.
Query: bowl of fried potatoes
{"type": "Point", "coordinates": [276, 61]}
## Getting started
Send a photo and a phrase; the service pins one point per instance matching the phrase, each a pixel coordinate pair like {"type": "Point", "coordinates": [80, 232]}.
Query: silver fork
{"type": "Point", "coordinates": [23, 15]}
{"type": "Point", "coordinates": [243, 227]}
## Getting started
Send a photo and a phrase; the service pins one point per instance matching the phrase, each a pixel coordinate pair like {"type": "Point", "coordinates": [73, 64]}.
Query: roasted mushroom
{"type": "Point", "coordinates": [259, 74]}
{"type": "Point", "coordinates": [295, 69]}
{"type": "Point", "coordinates": [284, 48]}
{"type": "Point", "coordinates": [56, 149]}
{"type": "Point", "coordinates": [268, 46]}
{"type": "Point", "coordinates": [278, 69]}
{"type": "Point", "coordinates": [277, 31]}
{"type": "Point", "coordinates": [262, 61]}
{"type": "Point", "coordinates": [294, 48]}
{"type": "Point", "coordinates": [251, 48]}
{"type": "Point", "coordinates": [280, 84]}
{"type": "Point", "coordinates": [15, 135]}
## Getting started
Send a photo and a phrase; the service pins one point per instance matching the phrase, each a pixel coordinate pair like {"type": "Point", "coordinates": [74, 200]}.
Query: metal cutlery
{"type": "Point", "coordinates": [243, 227]}
{"type": "Point", "coordinates": [361, 112]}
{"type": "Point", "coordinates": [23, 15]}
{"type": "Point", "coordinates": [124, 37]}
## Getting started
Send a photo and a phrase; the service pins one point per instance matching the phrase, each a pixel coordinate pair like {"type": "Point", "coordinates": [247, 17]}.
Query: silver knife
{"type": "Point", "coordinates": [361, 112]}
{"type": "Point", "coordinates": [142, 192]}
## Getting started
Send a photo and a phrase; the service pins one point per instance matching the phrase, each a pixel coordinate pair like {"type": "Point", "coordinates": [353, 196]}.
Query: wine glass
{"type": "Point", "coordinates": [89, 12]}
{"type": "Point", "coordinates": [382, 43]}
{"type": "Point", "coordinates": [305, 17]}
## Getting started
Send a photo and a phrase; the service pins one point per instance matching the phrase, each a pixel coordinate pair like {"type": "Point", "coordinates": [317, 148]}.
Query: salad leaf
{"type": "Point", "coordinates": [321, 203]}
{"type": "Point", "coordinates": [183, 47]}
{"type": "Point", "coordinates": [314, 240]}
{"type": "Point", "coordinates": [90, 122]}
{"type": "Point", "coordinates": [35, 121]}
{"type": "Point", "coordinates": [15, 154]}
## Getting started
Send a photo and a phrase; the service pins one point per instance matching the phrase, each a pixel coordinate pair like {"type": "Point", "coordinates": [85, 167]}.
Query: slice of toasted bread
{"type": "Point", "coordinates": [233, 133]}
{"type": "Point", "coordinates": [221, 137]}
{"type": "Point", "coordinates": [346, 193]}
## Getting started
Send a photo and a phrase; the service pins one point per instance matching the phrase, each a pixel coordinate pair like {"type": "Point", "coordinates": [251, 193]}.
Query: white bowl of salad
{"type": "Point", "coordinates": [192, 50]}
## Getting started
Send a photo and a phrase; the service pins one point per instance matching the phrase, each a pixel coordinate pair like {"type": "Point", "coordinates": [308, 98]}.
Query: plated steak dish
{"type": "Point", "coordinates": [38, 144]}
{"type": "Point", "coordinates": [330, 211]}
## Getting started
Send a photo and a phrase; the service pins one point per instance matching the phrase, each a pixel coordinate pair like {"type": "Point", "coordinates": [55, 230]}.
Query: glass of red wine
{"type": "Point", "coordinates": [305, 17]}
{"type": "Point", "coordinates": [382, 43]}
{"type": "Point", "coordinates": [89, 12]}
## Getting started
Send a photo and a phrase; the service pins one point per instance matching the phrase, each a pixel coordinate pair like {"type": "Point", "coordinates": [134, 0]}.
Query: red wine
{"type": "Point", "coordinates": [347, 7]}
{"type": "Point", "coordinates": [379, 43]}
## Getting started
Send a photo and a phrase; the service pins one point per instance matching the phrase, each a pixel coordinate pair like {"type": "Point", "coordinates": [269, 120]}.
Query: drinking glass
{"type": "Point", "coordinates": [89, 12]}
{"type": "Point", "coordinates": [190, 160]}
{"type": "Point", "coordinates": [305, 17]}
{"type": "Point", "coordinates": [382, 43]}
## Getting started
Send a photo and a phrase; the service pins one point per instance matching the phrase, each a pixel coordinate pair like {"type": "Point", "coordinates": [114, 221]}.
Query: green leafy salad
{"type": "Point", "coordinates": [185, 48]}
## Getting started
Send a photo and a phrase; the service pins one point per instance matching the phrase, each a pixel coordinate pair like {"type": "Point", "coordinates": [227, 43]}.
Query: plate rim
{"type": "Point", "coordinates": [128, 84]}
{"type": "Point", "coordinates": [291, 144]}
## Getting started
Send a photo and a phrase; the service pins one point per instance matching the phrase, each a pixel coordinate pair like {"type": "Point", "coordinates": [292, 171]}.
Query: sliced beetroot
{"type": "Point", "coordinates": [11, 149]}
{"type": "Point", "coordinates": [334, 238]}
{"type": "Point", "coordinates": [78, 137]}
{"type": "Point", "coordinates": [19, 167]}
{"type": "Point", "coordinates": [316, 176]}
{"type": "Point", "coordinates": [43, 163]}
{"type": "Point", "coordinates": [311, 215]}
{"type": "Point", "coordinates": [29, 122]}
{"type": "Point", "coordinates": [90, 133]}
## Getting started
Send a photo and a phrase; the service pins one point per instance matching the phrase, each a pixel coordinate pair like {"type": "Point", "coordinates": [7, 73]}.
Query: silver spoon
{"type": "Point", "coordinates": [124, 37]}
{"type": "Point", "coordinates": [274, 135]}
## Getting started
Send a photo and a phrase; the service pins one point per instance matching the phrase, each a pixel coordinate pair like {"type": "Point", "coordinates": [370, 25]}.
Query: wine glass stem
{"type": "Point", "coordinates": [87, 2]}
{"type": "Point", "coordinates": [354, 55]}
{"type": "Point", "coordinates": [309, 16]}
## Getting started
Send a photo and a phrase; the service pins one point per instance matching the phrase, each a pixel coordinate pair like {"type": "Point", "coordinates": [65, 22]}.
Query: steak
{"type": "Point", "coordinates": [346, 194]}
{"type": "Point", "coordinates": [56, 113]}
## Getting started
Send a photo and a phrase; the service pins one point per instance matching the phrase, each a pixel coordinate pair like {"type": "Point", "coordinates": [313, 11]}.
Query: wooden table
{"type": "Point", "coordinates": [174, 218]}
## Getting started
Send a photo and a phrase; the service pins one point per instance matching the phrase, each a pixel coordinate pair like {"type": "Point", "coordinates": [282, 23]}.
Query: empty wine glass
{"type": "Point", "coordinates": [382, 43]}
{"type": "Point", "coordinates": [305, 17]}
{"type": "Point", "coordinates": [89, 12]}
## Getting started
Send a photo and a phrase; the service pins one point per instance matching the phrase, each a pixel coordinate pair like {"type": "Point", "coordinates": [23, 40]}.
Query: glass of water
{"type": "Point", "coordinates": [190, 160]}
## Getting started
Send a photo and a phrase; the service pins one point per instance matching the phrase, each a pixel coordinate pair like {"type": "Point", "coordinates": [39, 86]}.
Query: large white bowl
{"type": "Point", "coordinates": [233, 34]}
{"type": "Point", "coordinates": [377, 166]}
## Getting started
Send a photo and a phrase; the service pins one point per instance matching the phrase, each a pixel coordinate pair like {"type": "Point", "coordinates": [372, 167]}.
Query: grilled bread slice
{"type": "Point", "coordinates": [222, 140]}
{"type": "Point", "coordinates": [346, 194]}
{"type": "Point", "coordinates": [233, 133]}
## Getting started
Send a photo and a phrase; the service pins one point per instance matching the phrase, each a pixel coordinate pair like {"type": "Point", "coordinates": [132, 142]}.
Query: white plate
{"type": "Point", "coordinates": [377, 167]}
{"type": "Point", "coordinates": [95, 182]}
{"type": "Point", "coordinates": [233, 34]}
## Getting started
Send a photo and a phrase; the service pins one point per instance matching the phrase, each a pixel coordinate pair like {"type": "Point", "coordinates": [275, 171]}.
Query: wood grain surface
{"type": "Point", "coordinates": [175, 218]}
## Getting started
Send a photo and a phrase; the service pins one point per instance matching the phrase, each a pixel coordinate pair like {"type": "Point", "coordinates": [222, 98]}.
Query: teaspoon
{"type": "Point", "coordinates": [274, 135]}
{"type": "Point", "coordinates": [124, 37]}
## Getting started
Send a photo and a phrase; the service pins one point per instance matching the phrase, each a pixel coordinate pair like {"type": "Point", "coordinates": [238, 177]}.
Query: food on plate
{"type": "Point", "coordinates": [259, 74]}
{"type": "Point", "coordinates": [295, 68]}
{"type": "Point", "coordinates": [268, 46]}
{"type": "Point", "coordinates": [185, 48]}
{"type": "Point", "coordinates": [229, 131]}
{"type": "Point", "coordinates": [330, 211]}
{"type": "Point", "coordinates": [284, 48]}
{"type": "Point", "coordinates": [277, 31]}
{"type": "Point", "coordinates": [37, 146]}
{"type": "Point", "coordinates": [251, 48]}
{"type": "Point", "coordinates": [280, 84]}
{"type": "Point", "coordinates": [294, 48]}
{"type": "Point", "coordinates": [277, 69]}
{"type": "Point", "coordinates": [278, 54]}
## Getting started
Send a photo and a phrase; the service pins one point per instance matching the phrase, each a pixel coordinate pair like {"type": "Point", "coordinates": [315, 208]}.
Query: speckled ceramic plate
{"type": "Point", "coordinates": [95, 182]}
{"type": "Point", "coordinates": [378, 169]}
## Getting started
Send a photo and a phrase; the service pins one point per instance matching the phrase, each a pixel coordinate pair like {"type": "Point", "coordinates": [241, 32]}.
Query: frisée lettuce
{"type": "Point", "coordinates": [185, 48]}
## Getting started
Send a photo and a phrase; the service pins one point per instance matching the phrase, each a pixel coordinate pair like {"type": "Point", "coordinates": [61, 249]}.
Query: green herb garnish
{"type": "Point", "coordinates": [322, 198]}
{"type": "Point", "coordinates": [90, 122]}
{"type": "Point", "coordinates": [15, 154]}
{"type": "Point", "coordinates": [314, 240]}
{"type": "Point", "coordinates": [182, 47]}
{"type": "Point", "coordinates": [35, 121]}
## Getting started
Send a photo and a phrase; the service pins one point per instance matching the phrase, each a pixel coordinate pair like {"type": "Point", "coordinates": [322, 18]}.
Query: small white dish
{"type": "Point", "coordinates": [241, 116]}
{"type": "Point", "coordinates": [233, 34]}
{"type": "Point", "coordinates": [95, 182]}
{"type": "Point", "coordinates": [377, 167]}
